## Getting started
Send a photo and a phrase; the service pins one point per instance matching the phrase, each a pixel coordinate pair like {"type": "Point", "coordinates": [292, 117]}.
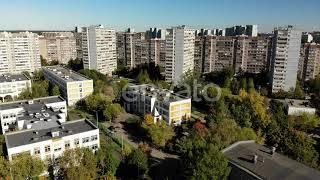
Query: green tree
{"type": "Point", "coordinates": [77, 164]}
{"type": "Point", "coordinates": [25, 166]}
{"type": "Point", "coordinates": [106, 162]}
{"type": "Point", "coordinates": [159, 133]}
{"type": "Point", "coordinates": [211, 164]}
{"type": "Point", "coordinates": [298, 91]}
{"type": "Point", "coordinates": [112, 111]}
{"type": "Point", "coordinates": [4, 168]}
{"type": "Point", "coordinates": [251, 85]}
{"type": "Point", "coordinates": [143, 77]}
{"type": "Point", "coordinates": [75, 64]}
{"type": "Point", "coordinates": [137, 163]}
{"type": "Point", "coordinates": [243, 83]}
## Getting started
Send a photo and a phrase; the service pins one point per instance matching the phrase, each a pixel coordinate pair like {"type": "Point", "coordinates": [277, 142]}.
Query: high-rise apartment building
{"type": "Point", "coordinates": [99, 49]}
{"type": "Point", "coordinates": [249, 30]}
{"type": "Point", "coordinates": [158, 52]}
{"type": "Point", "coordinates": [252, 30]}
{"type": "Point", "coordinates": [221, 53]}
{"type": "Point", "coordinates": [58, 46]}
{"type": "Point", "coordinates": [179, 52]}
{"type": "Point", "coordinates": [310, 65]}
{"type": "Point", "coordinates": [19, 52]}
{"type": "Point", "coordinates": [252, 54]}
{"type": "Point", "coordinates": [285, 58]}
{"type": "Point", "coordinates": [132, 48]}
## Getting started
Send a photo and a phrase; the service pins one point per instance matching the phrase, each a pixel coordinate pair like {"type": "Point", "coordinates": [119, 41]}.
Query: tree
{"type": "Point", "coordinates": [305, 122]}
{"type": "Point", "coordinates": [250, 85]}
{"type": "Point", "coordinates": [243, 83]}
{"type": "Point", "coordinates": [148, 119]}
{"type": "Point", "coordinates": [159, 133]}
{"type": "Point", "coordinates": [143, 77]}
{"type": "Point", "coordinates": [75, 64]}
{"type": "Point", "coordinates": [112, 111]}
{"type": "Point", "coordinates": [298, 91]}
{"type": "Point", "coordinates": [53, 89]}
{"type": "Point", "coordinates": [4, 168]}
{"type": "Point", "coordinates": [77, 164]}
{"type": "Point", "coordinates": [106, 162]}
{"type": "Point", "coordinates": [137, 163]}
{"type": "Point", "coordinates": [211, 164]}
{"type": "Point", "coordinates": [25, 166]}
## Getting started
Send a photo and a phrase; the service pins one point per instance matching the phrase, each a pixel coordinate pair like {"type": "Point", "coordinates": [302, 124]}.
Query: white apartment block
{"type": "Point", "coordinates": [19, 52]}
{"type": "Point", "coordinates": [310, 61]}
{"type": "Point", "coordinates": [50, 143]}
{"type": "Point", "coordinates": [99, 49]}
{"type": "Point", "coordinates": [58, 46]}
{"type": "Point", "coordinates": [180, 43]}
{"type": "Point", "coordinates": [74, 86]}
{"type": "Point", "coordinates": [285, 58]}
{"type": "Point", "coordinates": [160, 103]}
{"type": "Point", "coordinates": [32, 114]}
{"type": "Point", "coordinates": [11, 85]}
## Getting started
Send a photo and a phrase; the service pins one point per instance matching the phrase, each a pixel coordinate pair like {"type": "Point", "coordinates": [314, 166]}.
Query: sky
{"type": "Point", "coordinates": [143, 14]}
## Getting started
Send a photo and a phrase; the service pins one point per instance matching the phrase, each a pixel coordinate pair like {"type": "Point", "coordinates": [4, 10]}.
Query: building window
{"type": "Point", "coordinates": [57, 149]}
{"type": "Point", "coordinates": [94, 147]}
{"type": "Point", "coordinates": [76, 142]}
{"type": "Point", "coordinates": [67, 144]}
{"type": "Point", "coordinates": [85, 140]}
{"type": "Point", "coordinates": [93, 138]}
{"type": "Point", "coordinates": [36, 151]}
{"type": "Point", "coordinates": [47, 148]}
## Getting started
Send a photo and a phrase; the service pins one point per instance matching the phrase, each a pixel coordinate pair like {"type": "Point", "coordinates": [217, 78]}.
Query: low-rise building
{"type": "Point", "coordinates": [32, 114]}
{"type": "Point", "coordinates": [252, 161]}
{"type": "Point", "coordinates": [161, 103]}
{"type": "Point", "coordinates": [11, 85]}
{"type": "Point", "coordinates": [73, 85]}
{"type": "Point", "coordinates": [50, 142]}
{"type": "Point", "coordinates": [298, 107]}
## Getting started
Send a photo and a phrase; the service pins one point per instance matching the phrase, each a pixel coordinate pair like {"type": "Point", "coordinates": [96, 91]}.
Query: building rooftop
{"type": "Point", "coordinates": [65, 74]}
{"type": "Point", "coordinates": [36, 113]}
{"type": "Point", "coordinates": [32, 105]}
{"type": "Point", "coordinates": [15, 139]}
{"type": "Point", "coordinates": [161, 94]}
{"type": "Point", "coordinates": [12, 77]}
{"type": "Point", "coordinates": [298, 103]}
{"type": "Point", "coordinates": [268, 166]}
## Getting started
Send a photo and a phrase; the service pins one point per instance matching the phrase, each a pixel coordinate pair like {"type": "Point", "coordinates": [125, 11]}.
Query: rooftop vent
{"type": "Point", "coordinates": [55, 133]}
{"type": "Point", "coordinates": [30, 102]}
{"type": "Point", "coordinates": [255, 158]}
{"type": "Point", "coordinates": [35, 132]}
{"type": "Point", "coordinates": [35, 138]}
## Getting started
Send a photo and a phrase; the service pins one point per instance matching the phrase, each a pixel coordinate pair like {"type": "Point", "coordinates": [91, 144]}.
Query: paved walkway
{"type": "Point", "coordinates": [122, 133]}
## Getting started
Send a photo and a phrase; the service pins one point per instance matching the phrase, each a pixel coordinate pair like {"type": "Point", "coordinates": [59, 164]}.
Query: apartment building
{"type": "Point", "coordinates": [58, 46]}
{"type": "Point", "coordinates": [78, 37]}
{"type": "Point", "coordinates": [249, 30]}
{"type": "Point", "coordinates": [11, 85]}
{"type": "Point", "coordinates": [161, 103]}
{"type": "Point", "coordinates": [50, 142]}
{"type": "Point", "coordinates": [72, 85]}
{"type": "Point", "coordinates": [309, 66]}
{"type": "Point", "coordinates": [252, 54]}
{"type": "Point", "coordinates": [132, 48]}
{"type": "Point", "coordinates": [180, 43]}
{"type": "Point", "coordinates": [285, 58]}
{"type": "Point", "coordinates": [19, 52]}
{"type": "Point", "coordinates": [32, 114]}
{"type": "Point", "coordinates": [199, 51]}
{"type": "Point", "coordinates": [158, 52]}
{"type": "Point", "coordinates": [99, 49]}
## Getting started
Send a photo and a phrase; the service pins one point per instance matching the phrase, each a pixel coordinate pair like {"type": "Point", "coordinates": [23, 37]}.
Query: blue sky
{"type": "Point", "coordinates": [142, 14]}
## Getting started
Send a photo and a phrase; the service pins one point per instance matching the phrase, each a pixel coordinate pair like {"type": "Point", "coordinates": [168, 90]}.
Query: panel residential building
{"type": "Point", "coordinates": [252, 54]}
{"type": "Point", "coordinates": [73, 86]}
{"type": "Point", "coordinates": [285, 58]}
{"type": "Point", "coordinates": [58, 46]}
{"type": "Point", "coordinates": [19, 52]}
{"type": "Point", "coordinates": [99, 49]}
{"type": "Point", "coordinates": [310, 61]}
{"type": "Point", "coordinates": [180, 43]}
{"type": "Point", "coordinates": [160, 103]}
